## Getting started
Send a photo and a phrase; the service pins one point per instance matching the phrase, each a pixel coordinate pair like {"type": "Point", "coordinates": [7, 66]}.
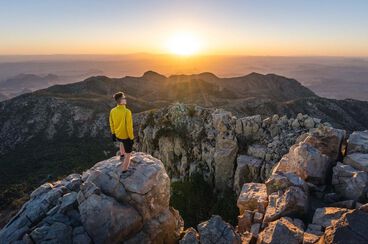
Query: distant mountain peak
{"type": "Point", "coordinates": [152, 75]}
{"type": "Point", "coordinates": [207, 76]}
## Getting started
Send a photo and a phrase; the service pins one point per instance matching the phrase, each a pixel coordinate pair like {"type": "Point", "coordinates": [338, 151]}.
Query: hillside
{"type": "Point", "coordinates": [27, 82]}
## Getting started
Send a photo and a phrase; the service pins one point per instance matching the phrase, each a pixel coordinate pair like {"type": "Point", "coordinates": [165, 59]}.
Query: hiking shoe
{"type": "Point", "coordinates": [127, 173]}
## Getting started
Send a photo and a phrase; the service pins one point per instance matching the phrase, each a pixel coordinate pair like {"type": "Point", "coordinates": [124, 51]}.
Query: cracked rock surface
{"type": "Point", "coordinates": [101, 206]}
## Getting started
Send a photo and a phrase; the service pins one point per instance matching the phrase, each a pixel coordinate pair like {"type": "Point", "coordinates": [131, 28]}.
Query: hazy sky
{"type": "Point", "coordinates": [258, 27]}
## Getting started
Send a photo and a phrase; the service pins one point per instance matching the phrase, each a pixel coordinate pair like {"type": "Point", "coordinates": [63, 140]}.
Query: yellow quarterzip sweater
{"type": "Point", "coordinates": [121, 122]}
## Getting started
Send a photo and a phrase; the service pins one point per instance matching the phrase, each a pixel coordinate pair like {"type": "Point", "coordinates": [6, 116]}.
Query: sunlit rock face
{"type": "Point", "coordinates": [227, 151]}
{"type": "Point", "coordinates": [101, 206]}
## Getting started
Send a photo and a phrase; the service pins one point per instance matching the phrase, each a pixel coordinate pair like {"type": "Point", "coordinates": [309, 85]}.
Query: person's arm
{"type": "Point", "coordinates": [113, 136]}
{"type": "Point", "coordinates": [130, 125]}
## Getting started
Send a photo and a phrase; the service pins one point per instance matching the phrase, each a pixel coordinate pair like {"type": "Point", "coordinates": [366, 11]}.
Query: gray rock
{"type": "Point", "coordinates": [215, 230]}
{"type": "Point", "coordinates": [314, 229]}
{"type": "Point", "coordinates": [108, 227]}
{"type": "Point", "coordinates": [282, 181]}
{"type": "Point", "coordinates": [245, 221]}
{"type": "Point", "coordinates": [67, 201]}
{"type": "Point", "coordinates": [247, 170]}
{"type": "Point", "coordinates": [309, 123]}
{"type": "Point", "coordinates": [253, 197]}
{"type": "Point", "coordinates": [281, 231]}
{"type": "Point", "coordinates": [305, 161]}
{"type": "Point", "coordinates": [325, 216]}
{"type": "Point", "coordinates": [358, 142]}
{"type": "Point", "coordinates": [107, 207]}
{"type": "Point", "coordinates": [350, 183]}
{"type": "Point", "coordinates": [293, 201]}
{"type": "Point", "coordinates": [357, 160]}
{"type": "Point", "coordinates": [327, 140]}
{"type": "Point", "coordinates": [224, 158]}
{"type": "Point", "coordinates": [55, 233]}
{"type": "Point", "coordinates": [190, 237]}
{"type": "Point", "coordinates": [352, 227]}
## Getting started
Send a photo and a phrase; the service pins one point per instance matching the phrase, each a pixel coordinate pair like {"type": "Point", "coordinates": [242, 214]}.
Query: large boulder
{"type": "Point", "coordinates": [215, 230]}
{"type": "Point", "coordinates": [357, 160]}
{"type": "Point", "coordinates": [350, 183]}
{"type": "Point", "coordinates": [291, 202]}
{"type": "Point", "coordinates": [352, 227]}
{"type": "Point", "coordinates": [305, 161]}
{"type": "Point", "coordinates": [358, 142]}
{"type": "Point", "coordinates": [102, 206]}
{"type": "Point", "coordinates": [253, 197]}
{"type": "Point", "coordinates": [327, 140]}
{"type": "Point", "coordinates": [326, 216]}
{"type": "Point", "coordinates": [191, 236]}
{"type": "Point", "coordinates": [281, 231]}
{"type": "Point", "coordinates": [281, 181]}
{"type": "Point", "coordinates": [247, 170]}
{"type": "Point", "coordinates": [224, 158]}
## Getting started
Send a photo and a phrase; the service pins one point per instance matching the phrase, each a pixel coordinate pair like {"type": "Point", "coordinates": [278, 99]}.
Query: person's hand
{"type": "Point", "coordinates": [113, 137]}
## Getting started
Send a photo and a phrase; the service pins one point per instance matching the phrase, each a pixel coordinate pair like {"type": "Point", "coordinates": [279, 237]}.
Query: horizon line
{"type": "Point", "coordinates": [181, 56]}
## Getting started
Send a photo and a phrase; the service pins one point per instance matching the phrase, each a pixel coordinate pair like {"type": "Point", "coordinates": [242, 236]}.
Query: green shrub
{"type": "Point", "coordinates": [196, 202]}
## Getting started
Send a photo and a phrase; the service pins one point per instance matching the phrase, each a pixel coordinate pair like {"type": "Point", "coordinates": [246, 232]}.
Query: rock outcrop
{"type": "Point", "coordinates": [352, 227]}
{"type": "Point", "coordinates": [227, 151]}
{"type": "Point", "coordinates": [309, 175]}
{"type": "Point", "coordinates": [101, 206]}
{"type": "Point", "coordinates": [281, 231]}
{"type": "Point", "coordinates": [215, 230]}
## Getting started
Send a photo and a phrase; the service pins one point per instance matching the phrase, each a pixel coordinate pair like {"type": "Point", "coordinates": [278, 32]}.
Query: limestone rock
{"type": "Point", "coordinates": [326, 216]}
{"type": "Point", "coordinates": [282, 181]}
{"type": "Point", "coordinates": [245, 221]}
{"type": "Point", "coordinates": [293, 201]}
{"type": "Point", "coordinates": [102, 206]}
{"type": "Point", "coordinates": [327, 140]}
{"type": "Point", "coordinates": [190, 237]}
{"type": "Point", "coordinates": [352, 227]}
{"type": "Point", "coordinates": [350, 183]}
{"type": "Point", "coordinates": [309, 123]}
{"type": "Point", "coordinates": [257, 151]}
{"type": "Point", "coordinates": [247, 170]}
{"type": "Point", "coordinates": [215, 230]}
{"type": "Point", "coordinates": [281, 231]}
{"type": "Point", "coordinates": [309, 238]}
{"type": "Point", "coordinates": [358, 142]}
{"type": "Point", "coordinates": [314, 229]}
{"type": "Point", "coordinates": [357, 160]}
{"type": "Point", "coordinates": [253, 197]}
{"type": "Point", "coordinates": [305, 161]}
{"type": "Point", "coordinates": [224, 158]}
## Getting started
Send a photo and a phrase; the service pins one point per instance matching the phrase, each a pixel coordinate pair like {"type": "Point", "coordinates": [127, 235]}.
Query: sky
{"type": "Point", "coordinates": [258, 27]}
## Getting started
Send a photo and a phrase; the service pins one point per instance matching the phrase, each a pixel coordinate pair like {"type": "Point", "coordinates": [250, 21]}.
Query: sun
{"type": "Point", "coordinates": [183, 44]}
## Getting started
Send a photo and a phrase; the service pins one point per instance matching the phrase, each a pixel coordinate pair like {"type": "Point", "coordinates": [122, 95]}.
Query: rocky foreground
{"type": "Point", "coordinates": [100, 206]}
{"type": "Point", "coordinates": [315, 193]}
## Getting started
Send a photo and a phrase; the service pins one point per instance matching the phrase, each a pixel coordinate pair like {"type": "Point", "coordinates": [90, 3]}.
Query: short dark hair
{"type": "Point", "coordinates": [118, 96]}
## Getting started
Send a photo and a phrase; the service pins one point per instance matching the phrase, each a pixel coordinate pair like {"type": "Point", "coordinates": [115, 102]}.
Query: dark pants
{"type": "Point", "coordinates": [128, 144]}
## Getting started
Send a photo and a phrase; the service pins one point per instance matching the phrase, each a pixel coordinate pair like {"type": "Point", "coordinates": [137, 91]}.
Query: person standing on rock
{"type": "Point", "coordinates": [121, 125]}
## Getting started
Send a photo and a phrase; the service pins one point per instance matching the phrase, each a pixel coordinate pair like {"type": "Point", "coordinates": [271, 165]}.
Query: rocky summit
{"type": "Point", "coordinates": [100, 206]}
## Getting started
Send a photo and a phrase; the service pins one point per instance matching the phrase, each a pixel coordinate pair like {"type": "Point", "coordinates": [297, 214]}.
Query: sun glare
{"type": "Point", "coordinates": [183, 44]}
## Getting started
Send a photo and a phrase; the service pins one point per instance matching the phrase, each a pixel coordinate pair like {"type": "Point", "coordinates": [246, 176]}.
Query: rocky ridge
{"type": "Point", "coordinates": [316, 169]}
{"type": "Point", "coordinates": [192, 139]}
{"type": "Point", "coordinates": [102, 205]}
